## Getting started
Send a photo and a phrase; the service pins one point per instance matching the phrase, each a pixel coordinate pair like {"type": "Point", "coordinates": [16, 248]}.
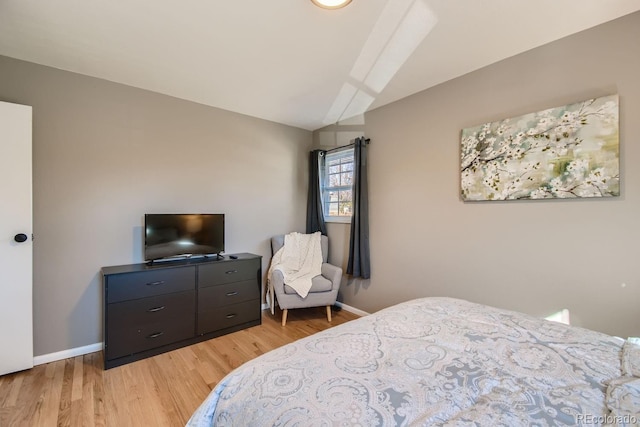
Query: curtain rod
{"type": "Point", "coordinates": [366, 141]}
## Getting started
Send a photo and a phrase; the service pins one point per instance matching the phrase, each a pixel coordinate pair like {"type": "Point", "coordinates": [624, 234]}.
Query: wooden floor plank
{"type": "Point", "coordinates": [28, 402]}
{"type": "Point", "coordinates": [93, 401]}
{"type": "Point", "coordinates": [64, 408]}
{"type": "Point", "coordinates": [13, 391]}
{"type": "Point", "coordinates": [78, 371]}
{"type": "Point", "coordinates": [161, 391]}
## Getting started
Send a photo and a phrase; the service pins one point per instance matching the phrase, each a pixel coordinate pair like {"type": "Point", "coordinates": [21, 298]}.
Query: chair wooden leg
{"type": "Point", "coordinates": [329, 313]}
{"type": "Point", "coordinates": [284, 316]}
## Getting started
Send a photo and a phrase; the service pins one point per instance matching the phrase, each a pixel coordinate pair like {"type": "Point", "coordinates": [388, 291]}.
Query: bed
{"type": "Point", "coordinates": [435, 361]}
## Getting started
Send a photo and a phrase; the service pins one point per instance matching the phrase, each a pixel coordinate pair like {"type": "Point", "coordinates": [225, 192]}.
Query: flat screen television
{"type": "Point", "coordinates": [182, 235]}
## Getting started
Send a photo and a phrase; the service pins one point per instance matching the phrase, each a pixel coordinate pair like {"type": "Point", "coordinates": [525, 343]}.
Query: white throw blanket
{"type": "Point", "coordinates": [299, 260]}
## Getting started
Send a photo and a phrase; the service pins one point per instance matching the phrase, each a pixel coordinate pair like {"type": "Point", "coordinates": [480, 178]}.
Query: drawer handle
{"type": "Point", "coordinates": [232, 294]}
{"type": "Point", "coordinates": [231, 316]}
{"type": "Point", "coordinates": [155, 335]}
{"type": "Point", "coordinates": [153, 310]}
{"type": "Point", "coordinates": [159, 282]}
{"type": "Point", "coordinates": [231, 272]}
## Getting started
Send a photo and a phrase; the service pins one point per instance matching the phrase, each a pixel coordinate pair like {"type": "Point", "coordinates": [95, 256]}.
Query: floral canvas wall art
{"type": "Point", "coordinates": [564, 152]}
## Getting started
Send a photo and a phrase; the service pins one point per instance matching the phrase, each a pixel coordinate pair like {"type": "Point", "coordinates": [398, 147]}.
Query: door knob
{"type": "Point", "coordinates": [20, 237]}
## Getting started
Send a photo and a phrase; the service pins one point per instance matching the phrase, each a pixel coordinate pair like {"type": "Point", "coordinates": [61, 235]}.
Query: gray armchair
{"type": "Point", "coordinates": [324, 288]}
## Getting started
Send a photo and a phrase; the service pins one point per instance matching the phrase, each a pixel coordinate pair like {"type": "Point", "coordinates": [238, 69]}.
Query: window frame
{"type": "Point", "coordinates": [325, 188]}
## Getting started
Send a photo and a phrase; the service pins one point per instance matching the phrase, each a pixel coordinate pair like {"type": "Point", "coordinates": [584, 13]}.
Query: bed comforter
{"type": "Point", "coordinates": [435, 361]}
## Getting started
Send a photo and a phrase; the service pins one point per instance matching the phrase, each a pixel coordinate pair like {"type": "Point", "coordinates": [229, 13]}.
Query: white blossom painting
{"type": "Point", "coordinates": [564, 152]}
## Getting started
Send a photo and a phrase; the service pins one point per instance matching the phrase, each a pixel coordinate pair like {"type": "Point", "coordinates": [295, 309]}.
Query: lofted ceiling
{"type": "Point", "coordinates": [288, 61]}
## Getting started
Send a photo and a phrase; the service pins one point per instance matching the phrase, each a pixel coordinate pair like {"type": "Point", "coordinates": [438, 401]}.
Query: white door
{"type": "Point", "coordinates": [16, 318]}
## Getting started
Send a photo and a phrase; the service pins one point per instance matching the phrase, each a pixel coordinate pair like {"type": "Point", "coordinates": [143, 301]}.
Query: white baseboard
{"type": "Point", "coordinates": [350, 309]}
{"type": "Point", "coordinates": [65, 354]}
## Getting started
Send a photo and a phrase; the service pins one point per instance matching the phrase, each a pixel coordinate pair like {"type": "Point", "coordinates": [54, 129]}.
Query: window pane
{"type": "Point", "coordinates": [345, 196]}
{"type": "Point", "coordinates": [347, 178]}
{"type": "Point", "coordinates": [333, 196]}
{"type": "Point", "coordinates": [345, 209]}
{"type": "Point", "coordinates": [333, 209]}
{"type": "Point", "coordinates": [334, 169]}
{"type": "Point", "coordinates": [347, 166]}
{"type": "Point", "coordinates": [334, 180]}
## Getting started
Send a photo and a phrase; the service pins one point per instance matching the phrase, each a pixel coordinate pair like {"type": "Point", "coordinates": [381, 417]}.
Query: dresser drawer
{"type": "Point", "coordinates": [228, 272]}
{"type": "Point", "coordinates": [227, 316]}
{"type": "Point", "coordinates": [122, 287]}
{"type": "Point", "coordinates": [131, 339]}
{"type": "Point", "coordinates": [150, 310]}
{"type": "Point", "coordinates": [229, 293]}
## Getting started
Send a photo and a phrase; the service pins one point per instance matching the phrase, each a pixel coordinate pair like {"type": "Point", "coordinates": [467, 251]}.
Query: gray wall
{"type": "Point", "coordinates": [533, 256]}
{"type": "Point", "coordinates": [104, 154]}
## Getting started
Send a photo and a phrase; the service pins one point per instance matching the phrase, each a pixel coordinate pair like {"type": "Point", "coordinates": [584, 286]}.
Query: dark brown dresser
{"type": "Point", "coordinates": [151, 309]}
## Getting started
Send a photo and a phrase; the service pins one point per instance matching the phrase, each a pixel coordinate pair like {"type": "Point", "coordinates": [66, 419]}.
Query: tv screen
{"type": "Point", "coordinates": [174, 235]}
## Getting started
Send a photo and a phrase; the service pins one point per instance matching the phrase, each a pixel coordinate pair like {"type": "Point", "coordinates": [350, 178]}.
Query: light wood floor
{"type": "Point", "coordinates": [160, 391]}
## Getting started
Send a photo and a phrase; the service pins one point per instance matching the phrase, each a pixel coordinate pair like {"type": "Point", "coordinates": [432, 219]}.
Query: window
{"type": "Point", "coordinates": [337, 185]}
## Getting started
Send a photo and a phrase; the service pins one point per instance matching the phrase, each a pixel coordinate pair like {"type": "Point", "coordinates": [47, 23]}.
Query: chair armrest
{"type": "Point", "coordinates": [332, 273]}
{"type": "Point", "coordinates": [277, 282]}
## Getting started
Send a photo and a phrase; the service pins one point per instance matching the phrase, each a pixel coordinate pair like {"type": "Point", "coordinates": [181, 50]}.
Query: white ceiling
{"type": "Point", "coordinates": [287, 60]}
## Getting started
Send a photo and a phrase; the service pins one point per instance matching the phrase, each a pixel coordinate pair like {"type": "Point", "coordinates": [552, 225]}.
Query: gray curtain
{"type": "Point", "coordinates": [315, 217]}
{"type": "Point", "coordinates": [359, 264]}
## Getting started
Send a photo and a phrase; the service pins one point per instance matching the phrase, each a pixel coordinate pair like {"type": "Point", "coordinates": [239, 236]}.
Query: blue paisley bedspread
{"type": "Point", "coordinates": [435, 361]}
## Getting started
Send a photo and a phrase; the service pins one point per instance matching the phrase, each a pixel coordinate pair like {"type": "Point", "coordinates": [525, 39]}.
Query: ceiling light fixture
{"type": "Point", "coordinates": [331, 4]}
